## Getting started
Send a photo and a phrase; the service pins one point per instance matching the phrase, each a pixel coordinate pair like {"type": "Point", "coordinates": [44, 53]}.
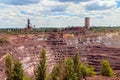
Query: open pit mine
{"type": "Point", "coordinates": [91, 47]}
{"type": "Point", "coordinates": [59, 45]}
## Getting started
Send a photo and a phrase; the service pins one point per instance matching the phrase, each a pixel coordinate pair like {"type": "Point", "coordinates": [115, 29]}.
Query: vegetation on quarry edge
{"type": "Point", "coordinates": [70, 69]}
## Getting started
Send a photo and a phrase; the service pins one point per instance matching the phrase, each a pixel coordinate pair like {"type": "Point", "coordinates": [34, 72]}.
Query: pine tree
{"type": "Point", "coordinates": [17, 71]}
{"type": "Point", "coordinates": [77, 64]}
{"type": "Point", "coordinates": [106, 69]}
{"type": "Point", "coordinates": [86, 70]}
{"type": "Point", "coordinates": [41, 68]}
{"type": "Point", "coordinates": [57, 72]}
{"type": "Point", "coordinates": [82, 70]}
{"type": "Point", "coordinates": [8, 67]}
{"type": "Point", "coordinates": [69, 70]}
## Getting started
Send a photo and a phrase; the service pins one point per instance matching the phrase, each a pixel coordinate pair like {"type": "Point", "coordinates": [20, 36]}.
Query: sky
{"type": "Point", "coordinates": [58, 13]}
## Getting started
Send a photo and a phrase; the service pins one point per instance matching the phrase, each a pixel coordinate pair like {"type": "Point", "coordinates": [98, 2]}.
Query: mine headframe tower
{"type": "Point", "coordinates": [28, 23]}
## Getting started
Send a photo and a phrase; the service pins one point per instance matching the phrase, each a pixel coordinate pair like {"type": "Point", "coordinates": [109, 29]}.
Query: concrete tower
{"type": "Point", "coordinates": [87, 22]}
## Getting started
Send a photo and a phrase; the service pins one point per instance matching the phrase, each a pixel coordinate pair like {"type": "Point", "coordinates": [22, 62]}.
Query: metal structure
{"type": "Point", "coordinates": [29, 27]}
{"type": "Point", "coordinates": [28, 23]}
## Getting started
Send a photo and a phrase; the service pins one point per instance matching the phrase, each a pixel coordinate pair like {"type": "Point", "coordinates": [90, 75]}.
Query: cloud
{"type": "Point", "coordinates": [59, 8]}
{"type": "Point", "coordinates": [19, 2]}
{"type": "Point", "coordinates": [58, 13]}
{"type": "Point", "coordinates": [54, 6]}
{"type": "Point", "coordinates": [100, 5]}
{"type": "Point", "coordinates": [73, 0]}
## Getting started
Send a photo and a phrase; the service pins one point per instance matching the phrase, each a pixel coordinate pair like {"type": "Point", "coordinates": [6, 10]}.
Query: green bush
{"type": "Point", "coordinates": [106, 69]}
{"type": "Point", "coordinates": [26, 78]}
{"type": "Point", "coordinates": [40, 72]}
{"type": "Point", "coordinates": [86, 70]}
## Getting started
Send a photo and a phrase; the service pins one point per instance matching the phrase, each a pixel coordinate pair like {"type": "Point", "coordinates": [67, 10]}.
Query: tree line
{"type": "Point", "coordinates": [70, 69]}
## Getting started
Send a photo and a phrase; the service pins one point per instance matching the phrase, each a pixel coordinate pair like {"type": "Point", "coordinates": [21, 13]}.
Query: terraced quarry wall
{"type": "Point", "coordinates": [27, 48]}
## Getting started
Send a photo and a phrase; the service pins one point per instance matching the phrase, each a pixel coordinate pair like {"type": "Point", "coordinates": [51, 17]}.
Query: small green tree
{"type": "Point", "coordinates": [86, 70]}
{"type": "Point", "coordinates": [77, 64]}
{"type": "Point", "coordinates": [40, 73]}
{"type": "Point", "coordinates": [82, 70]}
{"type": "Point", "coordinates": [57, 72]}
{"type": "Point", "coordinates": [17, 71]}
{"type": "Point", "coordinates": [8, 67]}
{"type": "Point", "coordinates": [69, 70]}
{"type": "Point", "coordinates": [106, 69]}
{"type": "Point", "coordinates": [27, 78]}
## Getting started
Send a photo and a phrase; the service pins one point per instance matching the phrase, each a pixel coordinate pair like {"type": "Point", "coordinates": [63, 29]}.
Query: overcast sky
{"type": "Point", "coordinates": [58, 13]}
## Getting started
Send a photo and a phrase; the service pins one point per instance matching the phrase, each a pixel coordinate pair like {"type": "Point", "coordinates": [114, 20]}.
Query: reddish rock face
{"type": "Point", "coordinates": [26, 48]}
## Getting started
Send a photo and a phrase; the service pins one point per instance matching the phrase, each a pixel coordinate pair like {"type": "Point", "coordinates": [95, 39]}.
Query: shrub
{"type": "Point", "coordinates": [106, 69]}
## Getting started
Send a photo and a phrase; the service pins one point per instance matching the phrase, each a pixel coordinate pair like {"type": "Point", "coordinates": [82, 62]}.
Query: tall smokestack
{"type": "Point", "coordinates": [87, 22]}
